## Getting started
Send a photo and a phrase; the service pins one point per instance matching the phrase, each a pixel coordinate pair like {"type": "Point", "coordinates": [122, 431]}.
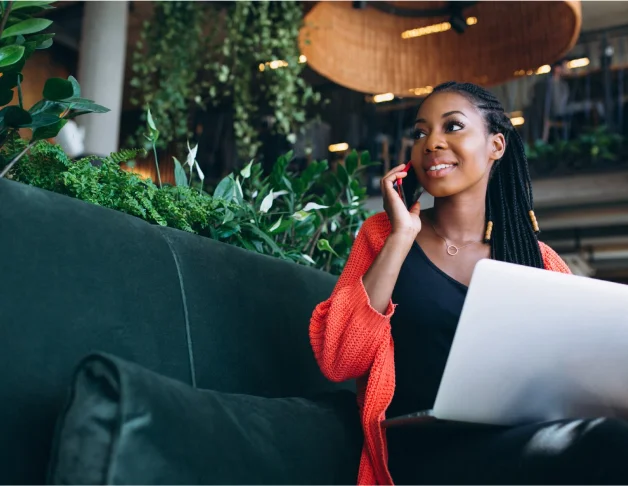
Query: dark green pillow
{"type": "Point", "coordinates": [127, 425]}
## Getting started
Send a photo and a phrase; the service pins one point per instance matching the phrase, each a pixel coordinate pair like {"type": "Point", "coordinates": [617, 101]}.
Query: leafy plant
{"type": "Point", "coordinates": [195, 54]}
{"type": "Point", "coordinates": [590, 150]}
{"type": "Point", "coordinates": [167, 64]}
{"type": "Point", "coordinates": [310, 218]}
{"type": "Point", "coordinates": [261, 67]}
{"type": "Point", "coordinates": [20, 36]}
{"type": "Point", "coordinates": [105, 183]}
{"type": "Point", "coordinates": [601, 145]}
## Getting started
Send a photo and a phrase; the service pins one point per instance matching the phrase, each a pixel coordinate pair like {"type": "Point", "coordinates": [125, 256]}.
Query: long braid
{"type": "Point", "coordinates": [512, 227]}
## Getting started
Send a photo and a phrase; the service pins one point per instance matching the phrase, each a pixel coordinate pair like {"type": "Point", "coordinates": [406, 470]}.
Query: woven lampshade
{"type": "Point", "coordinates": [363, 49]}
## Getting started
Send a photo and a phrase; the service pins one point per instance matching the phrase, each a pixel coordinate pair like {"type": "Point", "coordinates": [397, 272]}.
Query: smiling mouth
{"type": "Point", "coordinates": [440, 170]}
{"type": "Point", "coordinates": [435, 168]}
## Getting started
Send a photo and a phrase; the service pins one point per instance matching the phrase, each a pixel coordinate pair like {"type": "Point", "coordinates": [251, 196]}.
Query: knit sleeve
{"type": "Point", "coordinates": [345, 330]}
{"type": "Point", "coordinates": [552, 261]}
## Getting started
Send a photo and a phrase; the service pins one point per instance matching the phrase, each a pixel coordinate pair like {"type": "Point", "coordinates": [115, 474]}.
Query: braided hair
{"type": "Point", "coordinates": [511, 225]}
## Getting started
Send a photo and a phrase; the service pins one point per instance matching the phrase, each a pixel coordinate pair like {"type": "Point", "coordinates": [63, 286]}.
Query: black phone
{"type": "Point", "coordinates": [409, 189]}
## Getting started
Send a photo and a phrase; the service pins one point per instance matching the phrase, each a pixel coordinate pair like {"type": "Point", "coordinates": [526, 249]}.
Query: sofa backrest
{"type": "Point", "coordinates": [248, 316]}
{"type": "Point", "coordinates": [77, 278]}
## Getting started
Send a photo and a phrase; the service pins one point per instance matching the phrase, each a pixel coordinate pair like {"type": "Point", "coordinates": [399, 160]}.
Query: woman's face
{"type": "Point", "coordinates": [452, 151]}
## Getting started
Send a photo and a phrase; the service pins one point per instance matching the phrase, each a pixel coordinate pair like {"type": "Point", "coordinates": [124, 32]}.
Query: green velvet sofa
{"type": "Point", "coordinates": [76, 278]}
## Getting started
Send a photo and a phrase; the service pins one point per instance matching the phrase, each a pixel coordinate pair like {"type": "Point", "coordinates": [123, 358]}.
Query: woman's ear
{"type": "Point", "coordinates": [498, 146]}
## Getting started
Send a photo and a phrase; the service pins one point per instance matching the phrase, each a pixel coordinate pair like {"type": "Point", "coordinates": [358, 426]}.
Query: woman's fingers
{"type": "Point", "coordinates": [394, 175]}
{"type": "Point", "coordinates": [396, 170]}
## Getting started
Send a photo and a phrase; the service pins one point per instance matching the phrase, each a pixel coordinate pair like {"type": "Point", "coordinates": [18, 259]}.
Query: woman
{"type": "Point", "coordinates": [390, 321]}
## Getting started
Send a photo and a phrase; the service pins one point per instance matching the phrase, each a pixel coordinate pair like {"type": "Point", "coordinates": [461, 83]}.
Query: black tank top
{"type": "Point", "coordinates": [429, 303]}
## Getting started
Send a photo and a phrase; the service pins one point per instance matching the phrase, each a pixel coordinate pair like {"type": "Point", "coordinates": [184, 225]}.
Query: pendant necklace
{"type": "Point", "coordinates": [452, 250]}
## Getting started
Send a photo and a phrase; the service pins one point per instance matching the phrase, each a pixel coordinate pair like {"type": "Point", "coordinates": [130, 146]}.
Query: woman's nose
{"type": "Point", "coordinates": [434, 142]}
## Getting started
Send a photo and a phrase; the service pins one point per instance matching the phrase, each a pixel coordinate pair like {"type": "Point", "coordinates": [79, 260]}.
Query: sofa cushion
{"type": "Point", "coordinates": [127, 425]}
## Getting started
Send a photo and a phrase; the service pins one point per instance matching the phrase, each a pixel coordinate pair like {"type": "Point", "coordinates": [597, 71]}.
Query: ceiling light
{"type": "Point", "coordinates": [380, 98]}
{"type": "Point", "coordinates": [277, 64]}
{"type": "Point", "coordinates": [280, 63]}
{"type": "Point", "coordinates": [546, 68]}
{"type": "Point", "coordinates": [421, 91]}
{"type": "Point", "coordinates": [339, 147]}
{"type": "Point", "coordinates": [577, 63]}
{"type": "Point", "coordinates": [435, 28]}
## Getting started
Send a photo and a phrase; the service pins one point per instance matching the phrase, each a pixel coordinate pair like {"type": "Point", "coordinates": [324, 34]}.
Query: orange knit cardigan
{"type": "Point", "coordinates": [351, 340]}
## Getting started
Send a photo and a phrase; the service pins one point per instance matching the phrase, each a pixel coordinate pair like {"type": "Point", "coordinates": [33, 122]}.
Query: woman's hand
{"type": "Point", "coordinates": [403, 222]}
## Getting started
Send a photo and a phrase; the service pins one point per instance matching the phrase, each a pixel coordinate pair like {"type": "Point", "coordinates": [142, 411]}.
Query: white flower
{"type": "Point", "coordinates": [191, 155]}
{"type": "Point", "coordinates": [201, 176]}
{"type": "Point", "coordinates": [276, 225]}
{"type": "Point", "coordinates": [308, 259]}
{"type": "Point", "coordinates": [267, 202]}
{"type": "Point", "coordinates": [311, 205]}
{"type": "Point", "coordinates": [246, 172]}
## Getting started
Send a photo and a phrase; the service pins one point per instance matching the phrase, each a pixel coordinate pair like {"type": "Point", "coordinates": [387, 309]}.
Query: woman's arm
{"type": "Point", "coordinates": [380, 279]}
{"type": "Point", "coordinates": [347, 329]}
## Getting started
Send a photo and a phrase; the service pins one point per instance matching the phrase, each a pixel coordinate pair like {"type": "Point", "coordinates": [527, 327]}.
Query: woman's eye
{"type": "Point", "coordinates": [454, 126]}
{"type": "Point", "coordinates": [418, 134]}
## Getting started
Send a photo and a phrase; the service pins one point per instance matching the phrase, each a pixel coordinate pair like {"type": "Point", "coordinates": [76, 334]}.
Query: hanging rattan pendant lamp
{"type": "Point", "coordinates": [404, 48]}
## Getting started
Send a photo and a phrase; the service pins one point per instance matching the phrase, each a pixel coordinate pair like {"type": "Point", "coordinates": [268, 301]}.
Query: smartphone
{"type": "Point", "coordinates": [408, 188]}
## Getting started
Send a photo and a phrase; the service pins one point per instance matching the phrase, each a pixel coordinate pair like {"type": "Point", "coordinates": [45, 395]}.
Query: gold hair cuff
{"type": "Point", "coordinates": [535, 225]}
{"type": "Point", "coordinates": [489, 230]}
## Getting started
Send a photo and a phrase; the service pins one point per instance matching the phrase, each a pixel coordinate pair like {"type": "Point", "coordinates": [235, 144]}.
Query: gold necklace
{"type": "Point", "coordinates": [452, 250]}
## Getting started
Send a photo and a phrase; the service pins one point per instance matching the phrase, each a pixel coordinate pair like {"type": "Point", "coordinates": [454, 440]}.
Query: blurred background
{"type": "Point", "coordinates": [256, 79]}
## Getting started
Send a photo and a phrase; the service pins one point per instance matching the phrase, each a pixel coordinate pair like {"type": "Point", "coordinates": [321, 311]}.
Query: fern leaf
{"type": "Point", "coordinates": [126, 155]}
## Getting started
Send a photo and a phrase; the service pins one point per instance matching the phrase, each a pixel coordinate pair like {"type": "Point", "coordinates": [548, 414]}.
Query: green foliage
{"type": "Point", "coordinates": [258, 33]}
{"type": "Point", "coordinates": [40, 167]}
{"type": "Point", "coordinates": [10, 55]}
{"type": "Point", "coordinates": [193, 54]}
{"type": "Point", "coordinates": [180, 177]}
{"type": "Point", "coordinates": [309, 218]}
{"type": "Point", "coordinates": [19, 37]}
{"type": "Point", "coordinates": [126, 155]}
{"type": "Point", "coordinates": [167, 63]}
{"type": "Point", "coordinates": [103, 182]}
{"type": "Point", "coordinates": [594, 148]}
{"type": "Point", "coordinates": [24, 27]}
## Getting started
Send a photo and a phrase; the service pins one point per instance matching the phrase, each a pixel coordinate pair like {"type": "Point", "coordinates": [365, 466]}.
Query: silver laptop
{"type": "Point", "coordinates": [534, 345]}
